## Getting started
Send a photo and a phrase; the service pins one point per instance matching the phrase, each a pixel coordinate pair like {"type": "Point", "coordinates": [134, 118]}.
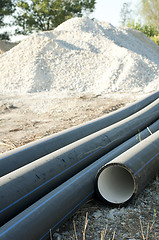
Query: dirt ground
{"type": "Point", "coordinates": [25, 119]}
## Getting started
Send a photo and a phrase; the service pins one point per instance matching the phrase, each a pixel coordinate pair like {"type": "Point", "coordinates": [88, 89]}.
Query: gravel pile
{"type": "Point", "coordinates": [81, 55]}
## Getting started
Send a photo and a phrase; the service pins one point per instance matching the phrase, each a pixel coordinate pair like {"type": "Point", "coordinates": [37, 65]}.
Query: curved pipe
{"type": "Point", "coordinates": [51, 211]}
{"type": "Point", "coordinates": [24, 186]}
{"type": "Point", "coordinates": [28, 153]}
{"type": "Point", "coordinates": [128, 174]}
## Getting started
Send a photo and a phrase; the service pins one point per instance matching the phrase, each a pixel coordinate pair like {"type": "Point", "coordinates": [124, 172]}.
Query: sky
{"type": "Point", "coordinates": [109, 10]}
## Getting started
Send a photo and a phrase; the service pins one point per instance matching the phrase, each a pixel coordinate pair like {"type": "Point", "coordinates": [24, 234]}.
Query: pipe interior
{"type": "Point", "coordinates": [115, 184]}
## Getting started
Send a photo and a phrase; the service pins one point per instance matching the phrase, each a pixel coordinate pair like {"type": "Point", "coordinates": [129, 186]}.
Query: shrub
{"type": "Point", "coordinates": [155, 39]}
{"type": "Point", "coordinates": [149, 30]}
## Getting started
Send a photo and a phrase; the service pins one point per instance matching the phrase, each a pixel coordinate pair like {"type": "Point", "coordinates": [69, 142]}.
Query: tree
{"type": "Point", "coordinates": [150, 12]}
{"type": "Point", "coordinates": [6, 9]}
{"type": "Point", "coordinates": [125, 13]}
{"type": "Point", "coordinates": [35, 15]}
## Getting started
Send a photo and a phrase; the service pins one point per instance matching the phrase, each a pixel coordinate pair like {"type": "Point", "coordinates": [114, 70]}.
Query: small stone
{"type": "Point", "coordinates": [112, 213]}
{"type": "Point", "coordinates": [122, 223]}
{"type": "Point", "coordinates": [57, 236]}
{"type": "Point", "coordinates": [97, 214]}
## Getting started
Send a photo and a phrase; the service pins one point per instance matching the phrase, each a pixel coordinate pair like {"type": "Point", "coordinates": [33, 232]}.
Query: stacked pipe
{"type": "Point", "coordinates": [57, 178]}
{"type": "Point", "coordinates": [23, 155]}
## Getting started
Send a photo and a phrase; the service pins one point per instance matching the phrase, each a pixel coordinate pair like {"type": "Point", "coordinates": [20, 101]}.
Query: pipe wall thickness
{"type": "Point", "coordinates": [28, 153]}
{"type": "Point", "coordinates": [125, 176]}
{"type": "Point", "coordinates": [24, 186]}
{"type": "Point", "coordinates": [54, 208]}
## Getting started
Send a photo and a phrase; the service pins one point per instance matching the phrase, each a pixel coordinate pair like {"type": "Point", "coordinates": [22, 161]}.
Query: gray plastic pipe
{"type": "Point", "coordinates": [52, 210]}
{"type": "Point", "coordinates": [126, 175]}
{"type": "Point", "coordinates": [24, 186]}
{"type": "Point", "coordinates": [21, 156]}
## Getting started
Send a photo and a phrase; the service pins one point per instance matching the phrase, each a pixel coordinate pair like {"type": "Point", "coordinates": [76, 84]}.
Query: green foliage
{"type": "Point", "coordinates": [150, 12]}
{"type": "Point", "coordinates": [155, 39]}
{"type": "Point", "coordinates": [6, 8]}
{"type": "Point", "coordinates": [4, 36]}
{"type": "Point", "coordinates": [150, 31]}
{"type": "Point", "coordinates": [35, 15]}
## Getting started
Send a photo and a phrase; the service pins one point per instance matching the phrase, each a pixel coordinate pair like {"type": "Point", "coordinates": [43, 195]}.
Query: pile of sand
{"type": "Point", "coordinates": [81, 55]}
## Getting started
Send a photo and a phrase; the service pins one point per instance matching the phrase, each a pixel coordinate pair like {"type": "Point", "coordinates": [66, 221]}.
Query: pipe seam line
{"type": "Point", "coordinates": [64, 171]}
{"type": "Point", "coordinates": [83, 200]}
{"type": "Point", "coordinates": [146, 164]}
{"type": "Point", "coordinates": [68, 213]}
{"type": "Point", "coordinates": [54, 196]}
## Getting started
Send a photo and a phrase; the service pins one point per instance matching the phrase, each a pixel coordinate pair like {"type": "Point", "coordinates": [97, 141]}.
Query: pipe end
{"type": "Point", "coordinates": [115, 184]}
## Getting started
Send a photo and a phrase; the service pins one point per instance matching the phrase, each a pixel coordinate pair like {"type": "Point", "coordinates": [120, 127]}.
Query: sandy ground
{"type": "Point", "coordinates": [26, 118]}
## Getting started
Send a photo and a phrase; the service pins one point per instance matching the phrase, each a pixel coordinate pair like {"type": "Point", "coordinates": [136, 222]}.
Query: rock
{"type": "Point", "coordinates": [57, 236]}
{"type": "Point", "coordinates": [97, 214]}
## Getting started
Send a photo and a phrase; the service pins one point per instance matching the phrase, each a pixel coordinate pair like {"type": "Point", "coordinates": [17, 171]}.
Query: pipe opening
{"type": "Point", "coordinates": [115, 184]}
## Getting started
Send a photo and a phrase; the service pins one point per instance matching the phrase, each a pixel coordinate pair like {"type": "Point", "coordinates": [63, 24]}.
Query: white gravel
{"type": "Point", "coordinates": [81, 55]}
